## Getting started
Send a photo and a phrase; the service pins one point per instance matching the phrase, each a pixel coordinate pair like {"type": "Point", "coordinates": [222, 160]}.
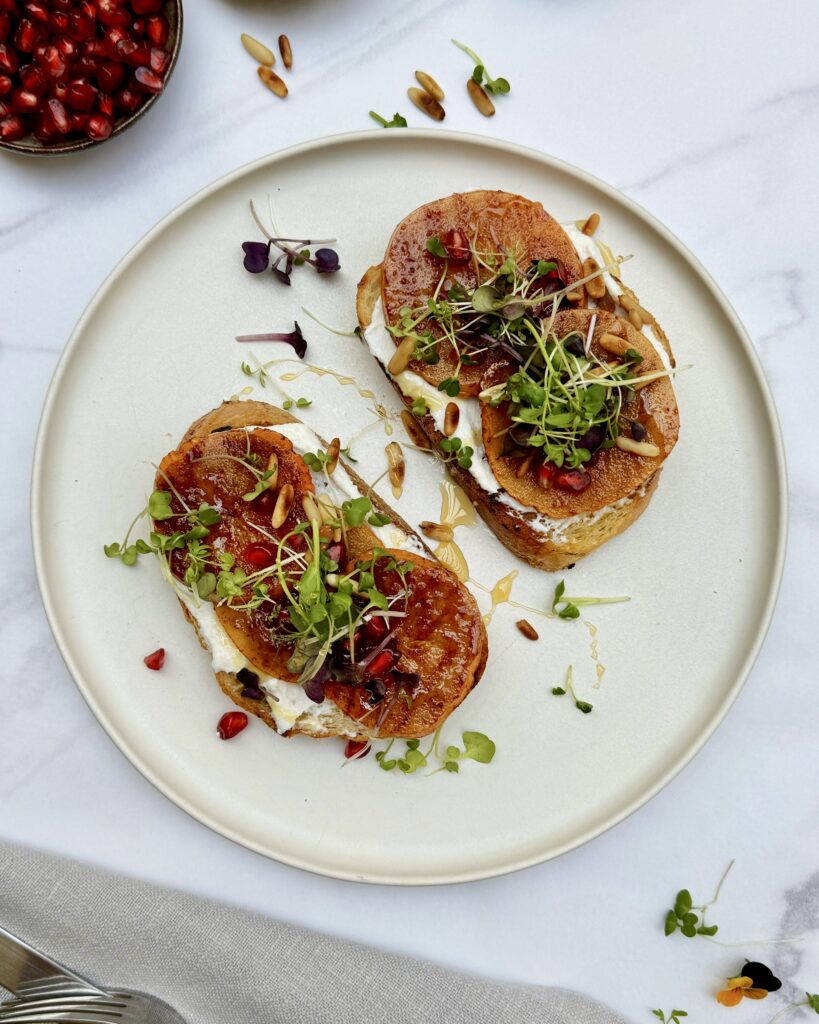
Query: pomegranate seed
{"type": "Point", "coordinates": [78, 122]}
{"type": "Point", "coordinates": [24, 102]}
{"type": "Point", "coordinates": [160, 59]}
{"type": "Point", "coordinates": [231, 724]}
{"type": "Point", "coordinates": [67, 47]}
{"type": "Point", "coordinates": [62, 6]}
{"type": "Point", "coordinates": [155, 660]}
{"type": "Point", "coordinates": [265, 502]}
{"type": "Point", "coordinates": [111, 12]}
{"type": "Point", "coordinates": [354, 748]}
{"type": "Point", "coordinates": [86, 66]}
{"type": "Point", "coordinates": [111, 37]}
{"type": "Point", "coordinates": [576, 480]}
{"type": "Point", "coordinates": [157, 29]}
{"type": "Point", "coordinates": [98, 127]}
{"type": "Point", "coordinates": [58, 91]}
{"type": "Point", "coordinates": [81, 94]}
{"type": "Point", "coordinates": [381, 663]}
{"type": "Point", "coordinates": [58, 22]}
{"type": "Point", "coordinates": [37, 11]}
{"type": "Point", "coordinates": [545, 474]}
{"type": "Point", "coordinates": [5, 27]}
{"type": "Point", "coordinates": [146, 6]}
{"type": "Point", "coordinates": [260, 556]}
{"type": "Point", "coordinates": [456, 246]}
{"type": "Point", "coordinates": [105, 105]}
{"type": "Point", "coordinates": [148, 80]}
{"type": "Point", "coordinates": [80, 26]}
{"type": "Point", "coordinates": [27, 36]}
{"type": "Point", "coordinates": [9, 61]}
{"type": "Point", "coordinates": [5, 85]}
{"type": "Point", "coordinates": [5, 109]}
{"type": "Point", "coordinates": [110, 76]}
{"type": "Point", "coordinates": [336, 552]}
{"type": "Point", "coordinates": [88, 9]}
{"type": "Point", "coordinates": [53, 62]}
{"type": "Point", "coordinates": [138, 27]}
{"type": "Point", "coordinates": [134, 52]}
{"type": "Point", "coordinates": [57, 112]}
{"type": "Point", "coordinates": [12, 128]}
{"type": "Point", "coordinates": [33, 78]}
{"type": "Point", "coordinates": [9, 5]}
{"type": "Point", "coordinates": [129, 100]}
{"type": "Point", "coordinates": [375, 628]}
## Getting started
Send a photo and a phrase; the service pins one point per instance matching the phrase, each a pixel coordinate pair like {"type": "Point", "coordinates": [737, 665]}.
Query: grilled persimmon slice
{"type": "Point", "coordinates": [491, 222]}
{"type": "Point", "coordinates": [614, 473]}
{"type": "Point", "coordinates": [213, 469]}
{"type": "Point", "coordinates": [442, 640]}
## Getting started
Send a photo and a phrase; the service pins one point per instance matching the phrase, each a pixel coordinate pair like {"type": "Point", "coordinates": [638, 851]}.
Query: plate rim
{"type": "Point", "coordinates": [434, 135]}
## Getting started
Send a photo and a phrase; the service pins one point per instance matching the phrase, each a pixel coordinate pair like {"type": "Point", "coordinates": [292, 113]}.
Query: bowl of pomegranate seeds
{"type": "Point", "coordinates": [74, 73]}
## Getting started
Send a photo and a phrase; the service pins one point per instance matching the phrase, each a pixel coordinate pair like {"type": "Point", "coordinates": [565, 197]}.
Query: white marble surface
{"type": "Point", "coordinates": [707, 114]}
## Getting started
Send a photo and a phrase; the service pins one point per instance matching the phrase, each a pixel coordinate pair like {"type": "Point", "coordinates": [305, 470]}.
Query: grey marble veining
{"type": "Point", "coordinates": [705, 113]}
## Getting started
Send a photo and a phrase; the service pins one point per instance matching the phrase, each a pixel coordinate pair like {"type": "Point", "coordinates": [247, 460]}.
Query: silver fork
{"type": "Point", "coordinates": [46, 991]}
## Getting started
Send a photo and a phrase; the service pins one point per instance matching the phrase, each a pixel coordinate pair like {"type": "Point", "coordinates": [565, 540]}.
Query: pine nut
{"type": "Point", "coordinates": [418, 437]}
{"type": "Point", "coordinates": [286, 51]}
{"type": "Point", "coordinates": [397, 467]}
{"type": "Point", "coordinates": [272, 81]}
{"type": "Point", "coordinates": [576, 295]}
{"type": "Point", "coordinates": [646, 448]}
{"type": "Point", "coordinates": [523, 466]}
{"type": "Point", "coordinates": [311, 509]}
{"type": "Point", "coordinates": [480, 98]}
{"type": "Point", "coordinates": [613, 343]}
{"type": "Point", "coordinates": [436, 531]}
{"type": "Point", "coordinates": [627, 302]}
{"type": "Point", "coordinates": [401, 357]}
{"type": "Point", "coordinates": [282, 508]}
{"type": "Point", "coordinates": [329, 516]}
{"type": "Point", "coordinates": [609, 260]}
{"type": "Point", "coordinates": [425, 103]}
{"type": "Point", "coordinates": [527, 629]}
{"type": "Point", "coordinates": [607, 303]}
{"type": "Point", "coordinates": [645, 316]}
{"type": "Point", "coordinates": [273, 469]}
{"type": "Point", "coordinates": [333, 448]}
{"type": "Point", "coordinates": [258, 51]}
{"type": "Point", "coordinates": [451, 416]}
{"type": "Point", "coordinates": [428, 84]}
{"type": "Point", "coordinates": [597, 286]}
{"type": "Point", "coordinates": [592, 224]}
{"type": "Point", "coordinates": [635, 319]}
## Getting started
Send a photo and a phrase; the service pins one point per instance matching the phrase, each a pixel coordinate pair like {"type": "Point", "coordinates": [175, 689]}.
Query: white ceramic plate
{"type": "Point", "coordinates": [155, 349]}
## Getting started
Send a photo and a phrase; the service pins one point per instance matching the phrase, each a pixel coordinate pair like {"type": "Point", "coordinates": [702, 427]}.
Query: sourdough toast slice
{"type": "Point", "coordinates": [552, 532]}
{"type": "Point", "coordinates": [441, 640]}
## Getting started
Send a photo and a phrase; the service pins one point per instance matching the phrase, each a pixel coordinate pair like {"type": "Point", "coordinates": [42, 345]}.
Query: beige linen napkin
{"type": "Point", "coordinates": [219, 965]}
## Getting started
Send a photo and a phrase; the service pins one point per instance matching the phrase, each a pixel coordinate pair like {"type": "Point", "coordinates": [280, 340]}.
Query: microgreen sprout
{"type": "Point", "coordinates": [456, 451]}
{"type": "Point", "coordinates": [419, 407]}
{"type": "Point", "coordinates": [690, 918]}
{"type": "Point", "coordinates": [568, 687]}
{"type": "Point", "coordinates": [476, 747]}
{"type": "Point", "coordinates": [293, 338]}
{"type": "Point", "coordinates": [673, 1017]}
{"type": "Point", "coordinates": [293, 252]}
{"type": "Point", "coordinates": [397, 120]}
{"type": "Point", "coordinates": [572, 605]}
{"type": "Point", "coordinates": [258, 373]}
{"type": "Point", "coordinates": [436, 247]}
{"type": "Point", "coordinates": [481, 75]}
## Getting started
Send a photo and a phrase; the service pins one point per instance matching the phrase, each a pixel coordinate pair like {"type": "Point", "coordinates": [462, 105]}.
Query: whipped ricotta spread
{"type": "Point", "coordinates": [288, 702]}
{"type": "Point", "coordinates": [381, 345]}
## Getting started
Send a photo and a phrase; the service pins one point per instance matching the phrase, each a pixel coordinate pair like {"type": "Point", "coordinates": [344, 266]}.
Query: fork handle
{"type": "Point", "coordinates": [24, 969]}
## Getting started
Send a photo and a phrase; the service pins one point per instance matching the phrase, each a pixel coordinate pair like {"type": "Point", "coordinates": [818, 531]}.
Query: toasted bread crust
{"type": "Point", "coordinates": [514, 528]}
{"type": "Point", "coordinates": [333, 721]}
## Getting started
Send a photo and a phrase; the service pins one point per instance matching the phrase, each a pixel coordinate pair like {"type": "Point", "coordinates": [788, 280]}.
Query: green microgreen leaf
{"type": "Point", "coordinates": [481, 75]}
{"type": "Point", "coordinates": [355, 510]}
{"type": "Point", "coordinates": [378, 519]}
{"type": "Point", "coordinates": [436, 247]}
{"type": "Point", "coordinates": [302, 403]}
{"type": "Point", "coordinates": [419, 407]}
{"type": "Point", "coordinates": [397, 120]}
{"type": "Point", "coordinates": [450, 386]}
{"type": "Point", "coordinates": [159, 505]}
{"type": "Point", "coordinates": [287, 404]}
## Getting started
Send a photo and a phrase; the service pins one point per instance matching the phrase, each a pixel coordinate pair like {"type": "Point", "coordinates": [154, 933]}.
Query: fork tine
{"type": "Point", "coordinates": [79, 1016]}
{"type": "Point", "coordinates": [87, 1008]}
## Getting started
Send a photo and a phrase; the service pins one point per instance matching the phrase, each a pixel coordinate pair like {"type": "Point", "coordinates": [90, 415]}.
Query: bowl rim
{"type": "Point", "coordinates": [31, 147]}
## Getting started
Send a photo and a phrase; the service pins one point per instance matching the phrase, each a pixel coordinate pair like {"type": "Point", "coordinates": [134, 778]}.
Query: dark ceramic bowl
{"type": "Point", "coordinates": [32, 147]}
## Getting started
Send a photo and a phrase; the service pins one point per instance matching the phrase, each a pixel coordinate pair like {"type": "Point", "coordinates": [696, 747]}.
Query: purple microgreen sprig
{"type": "Point", "coordinates": [294, 338]}
{"type": "Point", "coordinates": [293, 252]}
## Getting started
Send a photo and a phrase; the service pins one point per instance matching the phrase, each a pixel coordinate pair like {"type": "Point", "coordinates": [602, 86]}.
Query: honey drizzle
{"type": "Point", "coordinates": [321, 371]}
{"type": "Point", "coordinates": [600, 668]}
{"type": "Point", "coordinates": [456, 510]}
{"type": "Point", "coordinates": [499, 594]}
